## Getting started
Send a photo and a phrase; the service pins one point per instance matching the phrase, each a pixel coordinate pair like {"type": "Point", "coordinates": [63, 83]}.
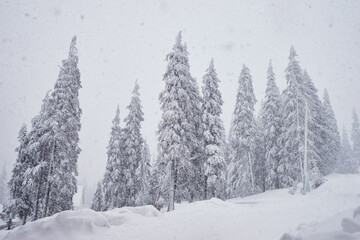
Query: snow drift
{"type": "Point", "coordinates": [80, 224]}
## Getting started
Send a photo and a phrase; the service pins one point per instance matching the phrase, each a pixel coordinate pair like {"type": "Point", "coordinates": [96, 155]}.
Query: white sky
{"type": "Point", "coordinates": [121, 41]}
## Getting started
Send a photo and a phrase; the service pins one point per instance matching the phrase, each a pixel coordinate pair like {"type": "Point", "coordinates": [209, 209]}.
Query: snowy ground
{"type": "Point", "coordinates": [264, 216]}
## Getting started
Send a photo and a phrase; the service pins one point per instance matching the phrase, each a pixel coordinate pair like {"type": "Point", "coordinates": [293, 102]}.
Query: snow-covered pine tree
{"type": "Point", "coordinates": [347, 162]}
{"type": "Point", "coordinates": [241, 179]}
{"type": "Point", "coordinates": [332, 144]}
{"type": "Point", "coordinates": [65, 126]}
{"type": "Point", "coordinates": [158, 184]}
{"type": "Point", "coordinates": [194, 133]}
{"type": "Point", "coordinates": [271, 121]}
{"type": "Point", "coordinates": [114, 181]}
{"type": "Point", "coordinates": [195, 140]}
{"type": "Point", "coordinates": [143, 173]}
{"type": "Point", "coordinates": [3, 186]}
{"type": "Point", "coordinates": [98, 200]}
{"type": "Point", "coordinates": [132, 146]}
{"type": "Point", "coordinates": [21, 204]}
{"type": "Point", "coordinates": [215, 165]}
{"type": "Point", "coordinates": [260, 170]}
{"type": "Point", "coordinates": [291, 140]}
{"type": "Point", "coordinates": [355, 137]}
{"type": "Point", "coordinates": [40, 136]}
{"type": "Point", "coordinates": [174, 127]}
{"type": "Point", "coordinates": [50, 159]}
{"type": "Point", "coordinates": [316, 124]}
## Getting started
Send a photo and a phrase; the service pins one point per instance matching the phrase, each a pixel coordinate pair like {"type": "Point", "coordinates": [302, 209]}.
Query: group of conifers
{"type": "Point", "coordinates": [195, 160]}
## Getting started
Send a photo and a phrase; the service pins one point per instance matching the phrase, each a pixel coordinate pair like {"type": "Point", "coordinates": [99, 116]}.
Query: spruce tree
{"type": "Point", "coordinates": [158, 184]}
{"type": "Point", "coordinates": [39, 154]}
{"type": "Point", "coordinates": [144, 175]}
{"type": "Point", "coordinates": [132, 146]}
{"type": "Point", "coordinates": [332, 144]}
{"type": "Point", "coordinates": [260, 170]}
{"type": "Point", "coordinates": [271, 120]}
{"type": "Point", "coordinates": [49, 158]}
{"type": "Point", "coordinates": [195, 141]}
{"type": "Point", "coordinates": [215, 165]}
{"type": "Point", "coordinates": [293, 106]}
{"type": "Point", "coordinates": [65, 126]}
{"type": "Point", "coordinates": [316, 124]}
{"type": "Point", "coordinates": [114, 181]}
{"type": "Point", "coordinates": [355, 137]}
{"type": "Point", "coordinates": [20, 203]}
{"type": "Point", "coordinates": [347, 163]}
{"type": "Point", "coordinates": [241, 178]}
{"type": "Point", "coordinates": [174, 127]}
{"type": "Point", "coordinates": [98, 200]}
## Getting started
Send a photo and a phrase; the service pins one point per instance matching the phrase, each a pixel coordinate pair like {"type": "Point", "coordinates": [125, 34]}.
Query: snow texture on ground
{"type": "Point", "coordinates": [264, 216]}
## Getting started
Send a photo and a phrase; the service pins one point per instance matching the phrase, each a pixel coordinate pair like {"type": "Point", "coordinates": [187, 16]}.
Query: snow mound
{"type": "Point", "coordinates": [119, 216]}
{"type": "Point", "coordinates": [340, 226]}
{"type": "Point", "coordinates": [64, 225]}
{"type": "Point", "coordinates": [323, 236]}
{"type": "Point", "coordinates": [80, 224]}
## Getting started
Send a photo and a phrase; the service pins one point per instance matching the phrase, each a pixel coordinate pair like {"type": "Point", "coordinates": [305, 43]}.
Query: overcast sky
{"type": "Point", "coordinates": [121, 41]}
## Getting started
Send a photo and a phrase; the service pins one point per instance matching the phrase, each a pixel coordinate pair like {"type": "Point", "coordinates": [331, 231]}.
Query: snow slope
{"type": "Point", "coordinates": [265, 216]}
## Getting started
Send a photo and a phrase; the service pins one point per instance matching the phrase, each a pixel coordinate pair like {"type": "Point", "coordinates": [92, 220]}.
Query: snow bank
{"type": "Point", "coordinates": [119, 216]}
{"type": "Point", "coordinates": [65, 225]}
{"type": "Point", "coordinates": [79, 224]}
{"type": "Point", "coordinates": [340, 226]}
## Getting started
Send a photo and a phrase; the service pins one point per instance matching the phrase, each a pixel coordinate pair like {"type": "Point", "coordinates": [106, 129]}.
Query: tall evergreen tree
{"type": "Point", "coordinates": [144, 175]}
{"type": "Point", "coordinates": [293, 106]}
{"type": "Point", "coordinates": [114, 181]}
{"type": "Point", "coordinates": [215, 165]}
{"type": "Point", "coordinates": [355, 137]}
{"type": "Point", "coordinates": [65, 126]}
{"type": "Point", "coordinates": [315, 126]}
{"type": "Point", "coordinates": [175, 128]}
{"type": "Point", "coordinates": [347, 163]}
{"type": "Point", "coordinates": [39, 155]}
{"type": "Point", "coordinates": [132, 146]}
{"type": "Point", "coordinates": [21, 203]}
{"type": "Point", "coordinates": [158, 189]}
{"type": "Point", "coordinates": [332, 144]}
{"type": "Point", "coordinates": [98, 201]}
{"type": "Point", "coordinates": [241, 178]}
{"type": "Point", "coordinates": [300, 105]}
{"type": "Point", "coordinates": [260, 170]}
{"type": "Point", "coordinates": [271, 120]}
{"type": "Point", "coordinates": [49, 159]}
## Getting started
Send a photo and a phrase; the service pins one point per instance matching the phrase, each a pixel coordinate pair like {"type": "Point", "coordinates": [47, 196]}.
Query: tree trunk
{"type": "Point", "coordinates": [36, 216]}
{"type": "Point", "coordinates": [252, 174]}
{"type": "Point", "coordinates": [172, 188]}
{"type": "Point", "coordinates": [206, 187]}
{"type": "Point", "coordinates": [9, 223]}
{"type": "Point", "coordinates": [48, 190]}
